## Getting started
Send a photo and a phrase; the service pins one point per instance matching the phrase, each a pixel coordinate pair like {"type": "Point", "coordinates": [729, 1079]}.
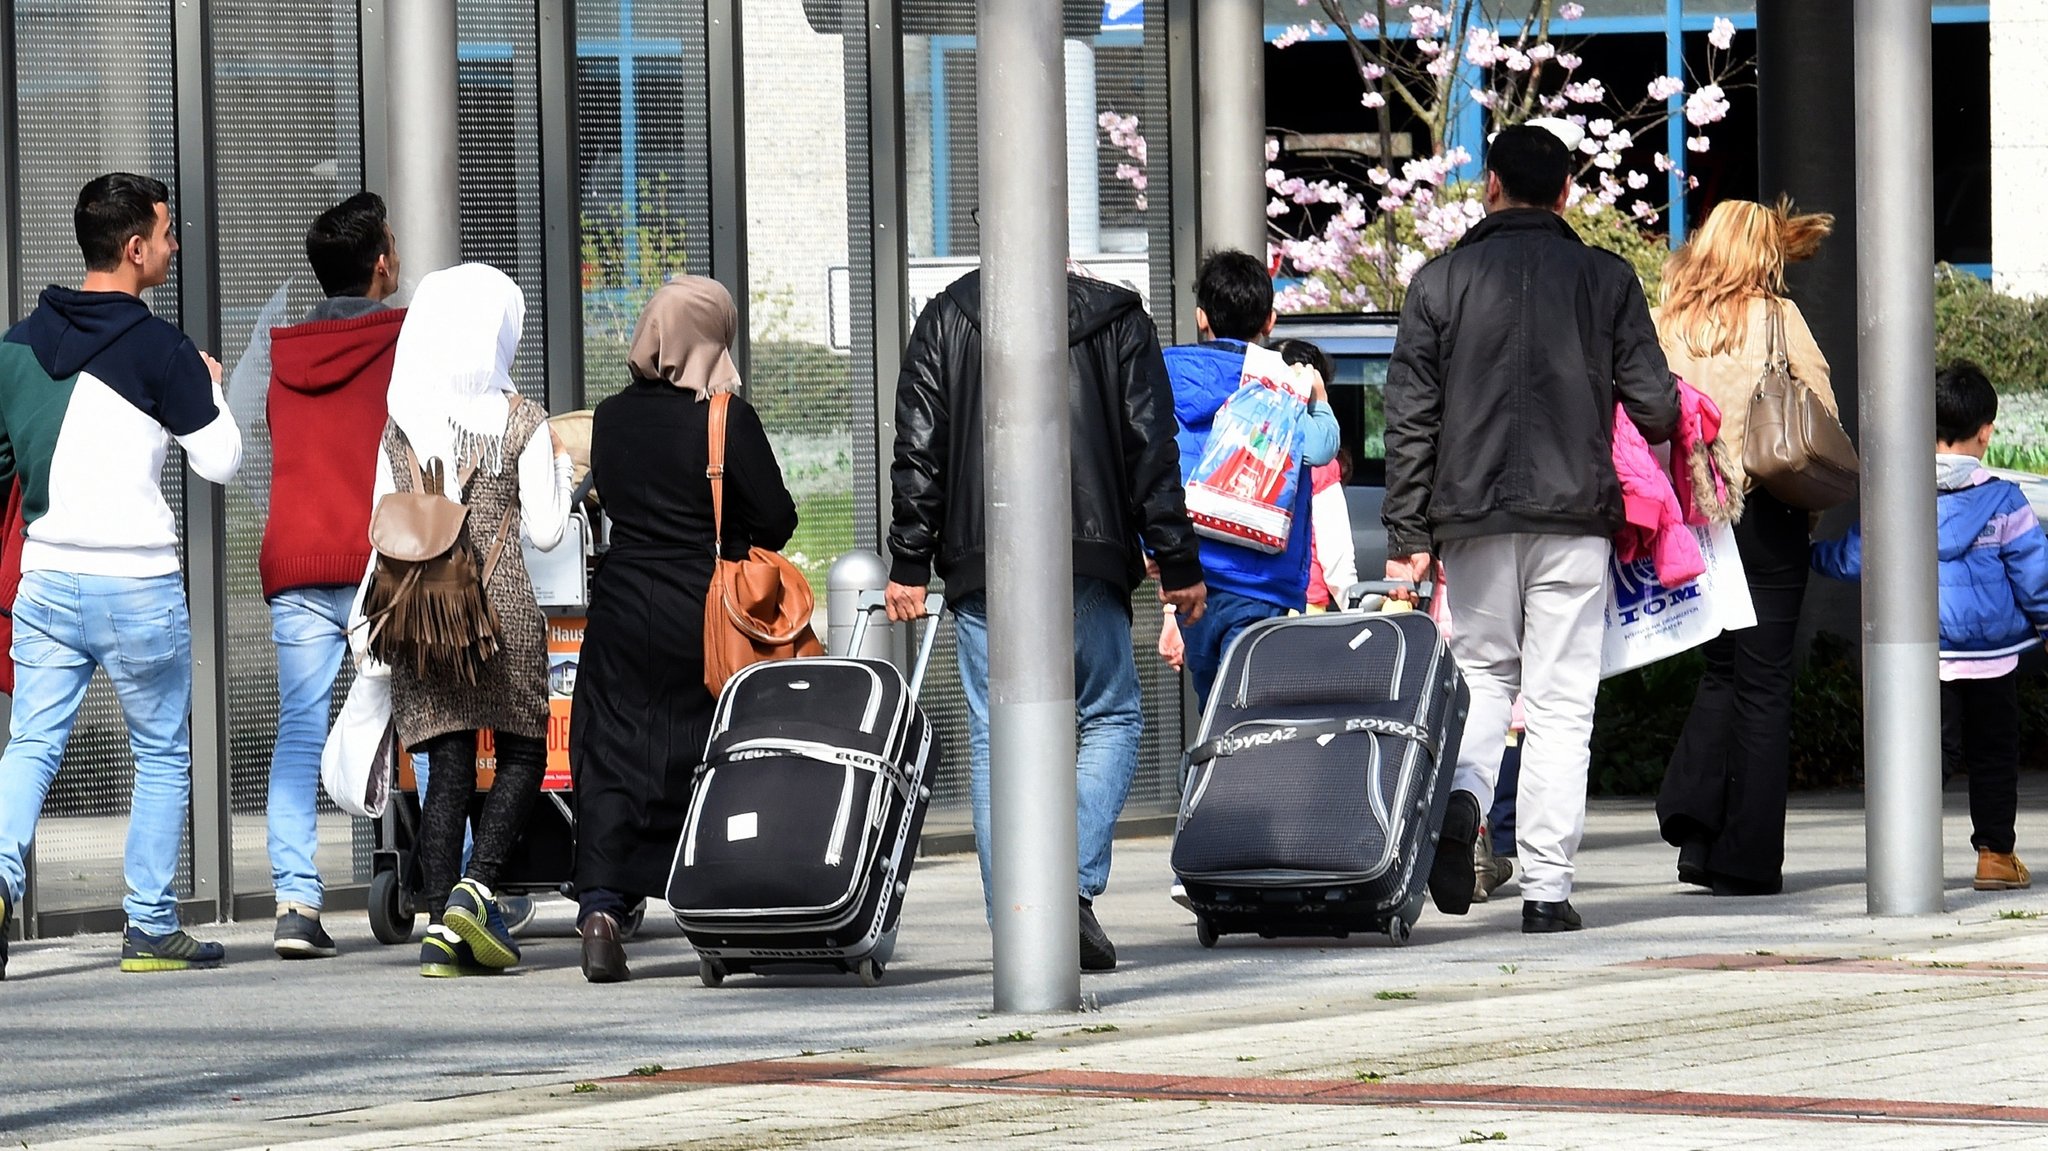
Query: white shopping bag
{"type": "Point", "coordinates": [1647, 621]}
{"type": "Point", "coordinates": [357, 765]}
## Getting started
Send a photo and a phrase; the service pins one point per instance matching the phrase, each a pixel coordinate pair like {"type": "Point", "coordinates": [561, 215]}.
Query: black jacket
{"type": "Point", "coordinates": [1514, 348]}
{"type": "Point", "coordinates": [1125, 466]}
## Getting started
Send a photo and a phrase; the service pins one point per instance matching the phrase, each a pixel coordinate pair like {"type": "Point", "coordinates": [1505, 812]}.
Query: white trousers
{"type": "Point", "coordinates": [1527, 618]}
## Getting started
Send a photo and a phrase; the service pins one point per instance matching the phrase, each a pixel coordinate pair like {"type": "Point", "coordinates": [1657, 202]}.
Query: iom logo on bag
{"type": "Point", "coordinates": [1638, 595]}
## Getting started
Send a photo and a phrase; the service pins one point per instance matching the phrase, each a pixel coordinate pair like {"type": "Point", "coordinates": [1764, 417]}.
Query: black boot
{"type": "Point", "coordinates": [1450, 876]}
{"type": "Point", "coordinates": [1543, 918]}
{"type": "Point", "coordinates": [1097, 952]}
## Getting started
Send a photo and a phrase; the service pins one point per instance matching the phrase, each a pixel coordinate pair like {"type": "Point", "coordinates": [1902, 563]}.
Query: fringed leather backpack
{"type": "Point", "coordinates": [426, 604]}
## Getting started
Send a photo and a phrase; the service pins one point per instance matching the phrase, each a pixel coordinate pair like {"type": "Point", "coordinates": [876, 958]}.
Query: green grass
{"type": "Point", "coordinates": [824, 532]}
{"type": "Point", "coordinates": [2011, 913]}
{"type": "Point", "coordinates": [649, 1069]}
{"type": "Point", "coordinates": [1386, 995]}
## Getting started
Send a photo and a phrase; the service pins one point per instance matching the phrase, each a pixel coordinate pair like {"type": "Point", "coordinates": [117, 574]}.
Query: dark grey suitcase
{"type": "Point", "coordinates": [1315, 792]}
{"type": "Point", "coordinates": [806, 814]}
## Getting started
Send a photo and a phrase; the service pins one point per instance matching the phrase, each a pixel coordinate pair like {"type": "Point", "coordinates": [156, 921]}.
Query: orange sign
{"type": "Point", "coordinates": [565, 648]}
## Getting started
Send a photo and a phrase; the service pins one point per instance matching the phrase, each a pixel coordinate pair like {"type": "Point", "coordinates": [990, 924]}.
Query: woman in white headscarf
{"type": "Point", "coordinates": [452, 401]}
{"type": "Point", "coordinates": [642, 714]}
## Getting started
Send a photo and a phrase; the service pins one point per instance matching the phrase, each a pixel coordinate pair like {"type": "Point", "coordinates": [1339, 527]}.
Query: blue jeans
{"type": "Point", "coordinates": [1209, 637]}
{"type": "Point", "coordinates": [310, 628]}
{"type": "Point", "coordinates": [140, 632]}
{"type": "Point", "coordinates": [1108, 706]}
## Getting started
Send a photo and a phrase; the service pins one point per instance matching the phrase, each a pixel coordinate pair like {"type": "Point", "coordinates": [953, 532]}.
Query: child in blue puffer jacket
{"type": "Point", "coordinates": [1994, 605]}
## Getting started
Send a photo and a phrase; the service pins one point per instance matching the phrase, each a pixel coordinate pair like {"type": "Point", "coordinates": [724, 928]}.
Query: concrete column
{"type": "Point", "coordinates": [2019, 148]}
{"type": "Point", "coordinates": [1022, 81]}
{"type": "Point", "coordinates": [1895, 261]}
{"type": "Point", "coordinates": [1084, 177]}
{"type": "Point", "coordinates": [425, 135]}
{"type": "Point", "coordinates": [1230, 41]}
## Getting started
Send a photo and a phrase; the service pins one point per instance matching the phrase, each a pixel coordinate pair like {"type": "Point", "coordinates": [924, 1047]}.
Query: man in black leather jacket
{"type": "Point", "coordinates": [1514, 349]}
{"type": "Point", "coordinates": [1126, 488]}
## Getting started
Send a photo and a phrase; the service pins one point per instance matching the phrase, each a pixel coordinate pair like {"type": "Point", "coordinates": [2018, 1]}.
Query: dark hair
{"type": "Point", "coordinates": [1532, 163]}
{"type": "Point", "coordinates": [344, 243]}
{"type": "Point", "coordinates": [1964, 401]}
{"type": "Point", "coordinates": [1304, 352]}
{"type": "Point", "coordinates": [111, 210]}
{"type": "Point", "coordinates": [1235, 291]}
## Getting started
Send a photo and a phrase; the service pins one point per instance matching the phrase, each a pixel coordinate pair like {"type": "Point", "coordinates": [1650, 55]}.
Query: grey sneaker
{"type": "Point", "coordinates": [300, 936]}
{"type": "Point", "coordinates": [1488, 870]}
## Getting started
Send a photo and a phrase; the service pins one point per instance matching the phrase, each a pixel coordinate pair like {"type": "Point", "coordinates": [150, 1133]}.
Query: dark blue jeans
{"type": "Point", "coordinates": [1209, 637]}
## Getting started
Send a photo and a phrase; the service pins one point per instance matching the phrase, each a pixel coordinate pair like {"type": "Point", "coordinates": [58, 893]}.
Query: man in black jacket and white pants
{"type": "Point", "coordinates": [1514, 348]}
{"type": "Point", "coordinates": [1126, 488]}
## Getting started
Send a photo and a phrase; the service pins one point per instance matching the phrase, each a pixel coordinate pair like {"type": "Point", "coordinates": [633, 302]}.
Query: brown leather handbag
{"type": "Point", "coordinates": [1794, 446]}
{"type": "Point", "coordinates": [758, 608]}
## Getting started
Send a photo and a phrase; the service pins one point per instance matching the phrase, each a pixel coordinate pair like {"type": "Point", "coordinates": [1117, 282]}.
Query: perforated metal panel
{"type": "Point", "coordinates": [643, 134]}
{"type": "Point", "coordinates": [104, 64]}
{"type": "Point", "coordinates": [501, 208]}
{"type": "Point", "coordinates": [1129, 239]}
{"type": "Point", "coordinates": [287, 146]}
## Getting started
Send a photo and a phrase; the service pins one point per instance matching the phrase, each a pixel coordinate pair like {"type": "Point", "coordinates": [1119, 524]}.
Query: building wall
{"type": "Point", "coordinates": [2019, 146]}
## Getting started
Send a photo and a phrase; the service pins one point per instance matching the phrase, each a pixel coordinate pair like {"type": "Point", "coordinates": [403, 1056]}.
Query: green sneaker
{"type": "Point", "coordinates": [445, 956]}
{"type": "Point", "coordinates": [474, 915]}
{"type": "Point", "coordinates": [176, 951]}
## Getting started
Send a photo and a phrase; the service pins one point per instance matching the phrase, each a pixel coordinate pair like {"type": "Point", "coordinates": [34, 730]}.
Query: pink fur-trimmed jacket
{"type": "Point", "coordinates": [1661, 502]}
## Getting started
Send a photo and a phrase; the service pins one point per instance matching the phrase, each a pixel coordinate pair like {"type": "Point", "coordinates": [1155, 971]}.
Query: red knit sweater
{"type": "Point", "coordinates": [328, 380]}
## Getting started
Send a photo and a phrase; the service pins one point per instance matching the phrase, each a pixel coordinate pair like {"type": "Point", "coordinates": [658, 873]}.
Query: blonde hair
{"type": "Point", "coordinates": [1738, 255]}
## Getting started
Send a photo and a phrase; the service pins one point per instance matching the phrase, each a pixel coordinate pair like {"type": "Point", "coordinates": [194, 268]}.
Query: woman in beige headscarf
{"type": "Point", "coordinates": [642, 714]}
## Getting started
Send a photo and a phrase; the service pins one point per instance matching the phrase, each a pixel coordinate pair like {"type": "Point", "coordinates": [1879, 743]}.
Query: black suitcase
{"type": "Point", "coordinates": [806, 814]}
{"type": "Point", "coordinates": [1315, 793]}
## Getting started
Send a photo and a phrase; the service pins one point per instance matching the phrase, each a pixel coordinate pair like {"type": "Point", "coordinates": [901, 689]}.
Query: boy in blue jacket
{"type": "Point", "coordinates": [1233, 309]}
{"type": "Point", "coordinates": [1994, 605]}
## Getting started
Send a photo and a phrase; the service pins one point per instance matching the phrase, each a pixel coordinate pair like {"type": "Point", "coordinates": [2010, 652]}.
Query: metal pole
{"type": "Point", "coordinates": [1230, 40]}
{"type": "Point", "coordinates": [1895, 341]}
{"type": "Point", "coordinates": [425, 134]}
{"type": "Point", "coordinates": [725, 57]}
{"type": "Point", "coordinates": [1022, 89]}
{"type": "Point", "coordinates": [1674, 112]}
{"type": "Point", "coordinates": [562, 204]}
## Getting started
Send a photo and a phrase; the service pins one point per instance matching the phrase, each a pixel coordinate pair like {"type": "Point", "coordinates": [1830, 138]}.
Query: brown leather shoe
{"type": "Point", "coordinates": [2001, 871]}
{"type": "Point", "coordinates": [604, 959]}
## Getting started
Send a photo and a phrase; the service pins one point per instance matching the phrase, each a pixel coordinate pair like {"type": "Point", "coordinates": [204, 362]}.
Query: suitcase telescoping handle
{"type": "Point", "coordinates": [873, 602]}
{"type": "Point", "coordinates": [1370, 595]}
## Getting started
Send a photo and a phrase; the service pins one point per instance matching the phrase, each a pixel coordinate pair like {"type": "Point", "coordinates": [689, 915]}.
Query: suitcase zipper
{"type": "Point", "coordinates": [834, 849]}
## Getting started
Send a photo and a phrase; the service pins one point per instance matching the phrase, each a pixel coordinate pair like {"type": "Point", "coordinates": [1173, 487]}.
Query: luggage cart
{"type": "Point", "coordinates": [544, 857]}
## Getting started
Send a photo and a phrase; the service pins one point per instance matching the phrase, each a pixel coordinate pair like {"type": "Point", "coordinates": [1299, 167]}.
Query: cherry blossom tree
{"type": "Point", "coordinates": [1355, 248]}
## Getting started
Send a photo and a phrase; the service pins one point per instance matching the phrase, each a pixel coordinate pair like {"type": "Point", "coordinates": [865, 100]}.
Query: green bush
{"type": "Point", "coordinates": [1827, 717]}
{"type": "Point", "coordinates": [2006, 335]}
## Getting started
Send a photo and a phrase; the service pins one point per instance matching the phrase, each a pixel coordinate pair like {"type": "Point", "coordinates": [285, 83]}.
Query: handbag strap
{"type": "Point", "coordinates": [715, 472]}
{"type": "Point", "coordinates": [1774, 337]}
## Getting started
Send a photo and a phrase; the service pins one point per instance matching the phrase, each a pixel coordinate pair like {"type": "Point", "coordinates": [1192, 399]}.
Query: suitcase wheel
{"type": "Point", "coordinates": [1397, 931]}
{"type": "Point", "coordinates": [1205, 933]}
{"type": "Point", "coordinates": [870, 971]}
{"type": "Point", "coordinates": [710, 971]}
{"type": "Point", "coordinates": [391, 909]}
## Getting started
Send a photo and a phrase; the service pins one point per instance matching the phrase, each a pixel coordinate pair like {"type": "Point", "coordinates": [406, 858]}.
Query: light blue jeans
{"type": "Point", "coordinates": [1109, 708]}
{"type": "Point", "coordinates": [310, 628]}
{"type": "Point", "coordinates": [140, 632]}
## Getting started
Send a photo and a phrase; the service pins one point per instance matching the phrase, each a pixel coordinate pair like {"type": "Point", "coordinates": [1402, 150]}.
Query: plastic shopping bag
{"type": "Point", "coordinates": [1242, 490]}
{"type": "Point", "coordinates": [1647, 621]}
{"type": "Point", "coordinates": [361, 756]}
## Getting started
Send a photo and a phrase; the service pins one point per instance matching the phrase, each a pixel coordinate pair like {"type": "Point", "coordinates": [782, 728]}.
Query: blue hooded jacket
{"type": "Point", "coordinates": [1204, 375]}
{"type": "Point", "coordinates": [1994, 563]}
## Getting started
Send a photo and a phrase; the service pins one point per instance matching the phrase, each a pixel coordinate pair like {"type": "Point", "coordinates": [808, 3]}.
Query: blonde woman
{"type": "Point", "coordinates": [1723, 800]}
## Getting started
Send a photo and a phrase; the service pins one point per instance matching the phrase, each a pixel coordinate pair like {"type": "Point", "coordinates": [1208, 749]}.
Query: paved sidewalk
{"type": "Point", "coordinates": [1677, 1020]}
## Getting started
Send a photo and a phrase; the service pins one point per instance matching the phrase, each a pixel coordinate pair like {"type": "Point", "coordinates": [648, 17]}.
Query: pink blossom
{"type": "Point", "coordinates": [1723, 34]}
{"type": "Point", "coordinates": [1664, 163]}
{"type": "Point", "coordinates": [1368, 22]}
{"type": "Point", "coordinates": [1569, 61]}
{"type": "Point", "coordinates": [1372, 72]}
{"type": "Point", "coordinates": [1697, 144]}
{"type": "Point", "coordinates": [1638, 181]}
{"type": "Point", "coordinates": [1373, 100]}
{"type": "Point", "coordinates": [1602, 127]}
{"type": "Point", "coordinates": [1427, 23]}
{"type": "Point", "coordinates": [1379, 175]}
{"type": "Point", "coordinates": [1276, 208]}
{"type": "Point", "coordinates": [1607, 160]}
{"type": "Point", "coordinates": [1429, 47]}
{"type": "Point", "coordinates": [1665, 87]}
{"type": "Point", "coordinates": [1485, 99]}
{"type": "Point", "coordinates": [1609, 186]}
{"type": "Point", "coordinates": [1482, 47]}
{"type": "Point", "coordinates": [1585, 92]}
{"type": "Point", "coordinates": [1571, 12]}
{"type": "Point", "coordinates": [1442, 65]}
{"type": "Point", "coordinates": [1294, 34]}
{"type": "Point", "coordinates": [1273, 178]}
{"type": "Point", "coordinates": [1589, 146]}
{"type": "Point", "coordinates": [1515, 60]}
{"type": "Point", "coordinates": [1621, 141]}
{"type": "Point", "coordinates": [1643, 212]}
{"type": "Point", "coordinates": [1553, 103]}
{"type": "Point", "coordinates": [1272, 152]}
{"type": "Point", "coordinates": [1410, 263]}
{"type": "Point", "coordinates": [1543, 51]}
{"type": "Point", "coordinates": [1706, 106]}
{"type": "Point", "coordinates": [1389, 203]}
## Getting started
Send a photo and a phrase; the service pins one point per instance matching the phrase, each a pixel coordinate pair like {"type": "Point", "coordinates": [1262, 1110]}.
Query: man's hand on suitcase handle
{"type": "Point", "coordinates": [906, 603]}
{"type": "Point", "coordinates": [1412, 569]}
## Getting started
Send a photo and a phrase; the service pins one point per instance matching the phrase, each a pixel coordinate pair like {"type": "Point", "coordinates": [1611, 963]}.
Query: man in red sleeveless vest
{"type": "Point", "coordinates": [328, 379]}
